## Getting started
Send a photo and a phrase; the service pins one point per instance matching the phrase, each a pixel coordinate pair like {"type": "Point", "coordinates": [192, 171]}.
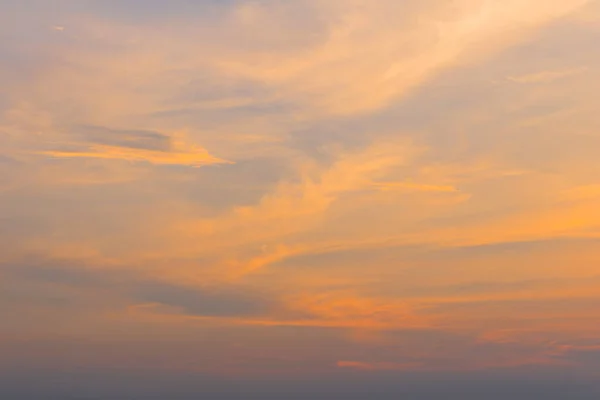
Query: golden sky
{"type": "Point", "coordinates": [300, 188]}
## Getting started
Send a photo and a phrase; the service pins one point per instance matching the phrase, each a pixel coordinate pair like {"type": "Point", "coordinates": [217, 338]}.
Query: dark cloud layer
{"type": "Point", "coordinates": [72, 286]}
{"type": "Point", "coordinates": [137, 139]}
{"type": "Point", "coordinates": [133, 386]}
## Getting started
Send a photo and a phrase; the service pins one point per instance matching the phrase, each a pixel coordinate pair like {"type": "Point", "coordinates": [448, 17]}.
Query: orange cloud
{"type": "Point", "coordinates": [379, 366]}
{"type": "Point", "coordinates": [546, 76]}
{"type": "Point", "coordinates": [363, 65]}
{"type": "Point", "coordinates": [181, 154]}
{"type": "Point", "coordinates": [410, 186]}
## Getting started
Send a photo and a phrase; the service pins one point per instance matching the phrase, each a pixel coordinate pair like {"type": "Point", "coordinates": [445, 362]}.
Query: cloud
{"type": "Point", "coordinates": [135, 139]}
{"type": "Point", "coordinates": [546, 76]}
{"type": "Point", "coordinates": [582, 193]}
{"type": "Point", "coordinates": [378, 366]}
{"type": "Point", "coordinates": [67, 285]}
{"type": "Point", "coordinates": [137, 146]}
{"type": "Point", "coordinates": [362, 64]}
{"type": "Point", "coordinates": [409, 186]}
{"type": "Point", "coordinates": [299, 204]}
{"type": "Point", "coordinates": [217, 302]}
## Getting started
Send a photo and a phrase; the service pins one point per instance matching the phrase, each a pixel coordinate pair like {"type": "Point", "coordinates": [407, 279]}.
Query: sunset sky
{"type": "Point", "coordinates": [299, 199]}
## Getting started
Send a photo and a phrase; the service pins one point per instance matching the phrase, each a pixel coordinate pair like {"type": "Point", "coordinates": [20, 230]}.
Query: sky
{"type": "Point", "coordinates": [299, 199]}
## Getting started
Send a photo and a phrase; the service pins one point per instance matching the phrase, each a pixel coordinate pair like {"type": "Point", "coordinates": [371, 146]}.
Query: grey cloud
{"type": "Point", "coordinates": [116, 385]}
{"type": "Point", "coordinates": [63, 285]}
{"type": "Point", "coordinates": [205, 302]}
{"type": "Point", "coordinates": [248, 181]}
{"type": "Point", "coordinates": [120, 9]}
{"type": "Point", "coordinates": [136, 10]}
{"type": "Point", "coordinates": [136, 139]}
